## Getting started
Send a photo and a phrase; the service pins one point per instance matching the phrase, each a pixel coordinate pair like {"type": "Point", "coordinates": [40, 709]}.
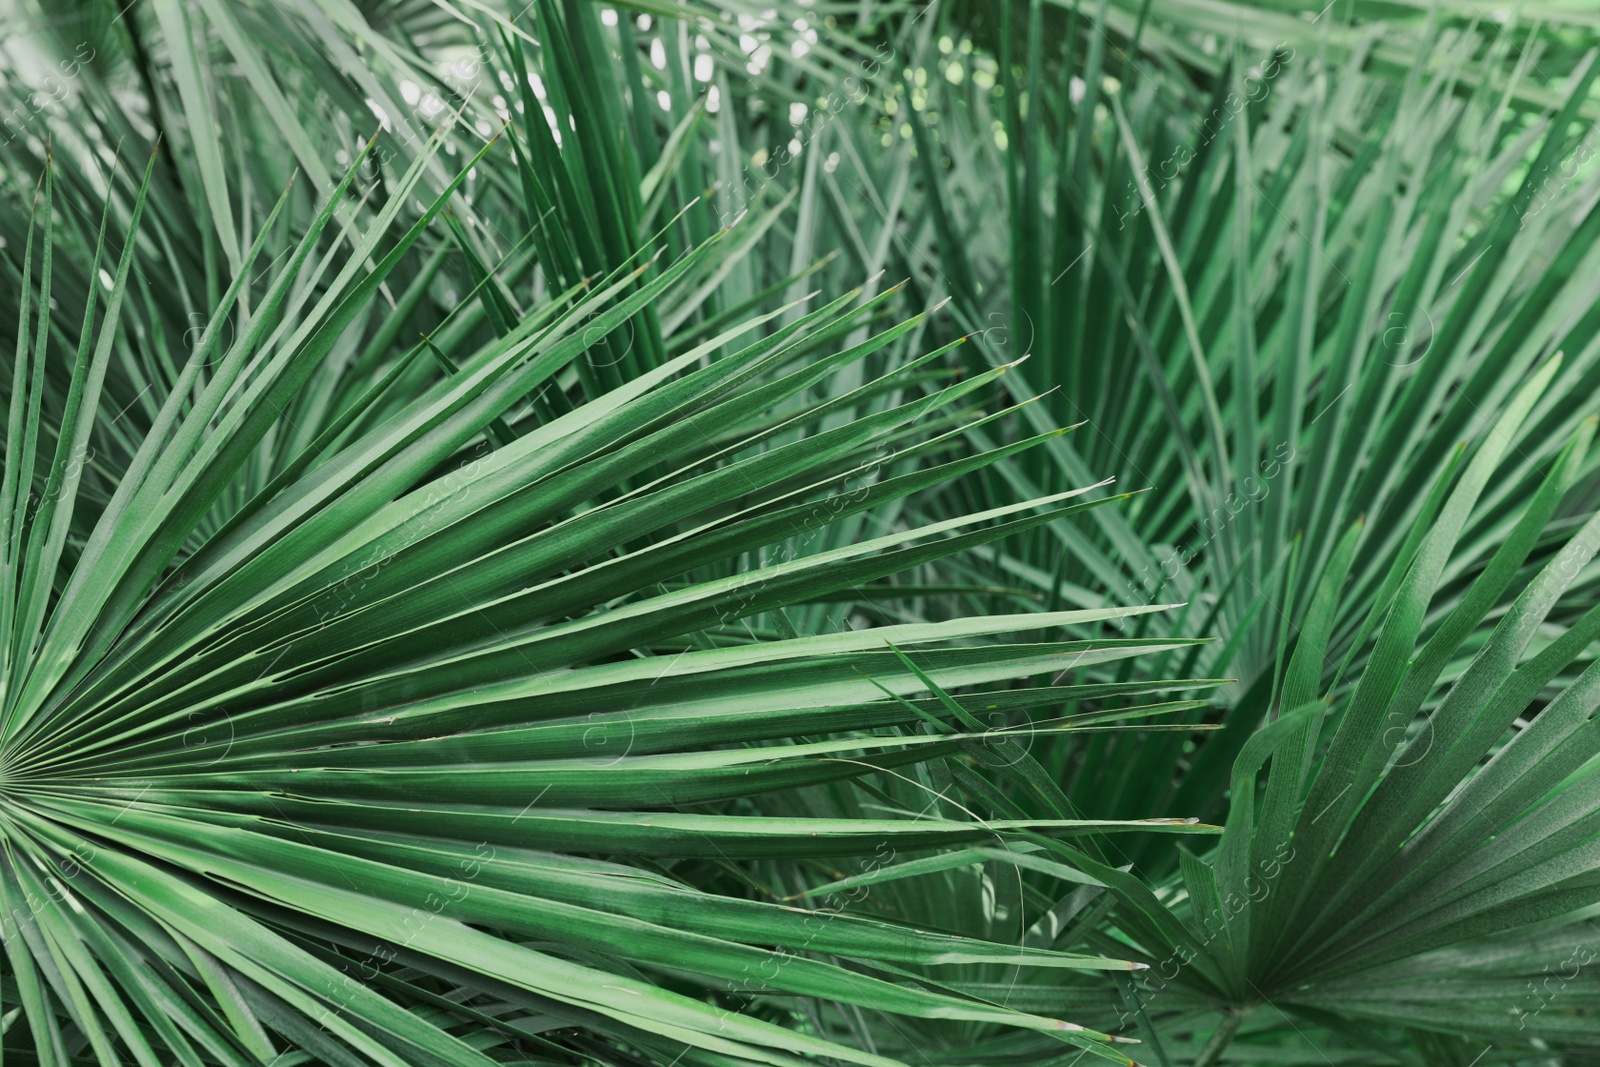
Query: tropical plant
{"type": "Point", "coordinates": [469, 599]}
{"type": "Point", "coordinates": [1290, 317]}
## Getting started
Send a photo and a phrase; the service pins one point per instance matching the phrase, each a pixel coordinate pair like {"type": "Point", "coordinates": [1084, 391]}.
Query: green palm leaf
{"type": "Point", "coordinates": [376, 722]}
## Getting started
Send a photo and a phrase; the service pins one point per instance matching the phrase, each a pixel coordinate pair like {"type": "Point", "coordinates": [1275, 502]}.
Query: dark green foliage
{"type": "Point", "coordinates": [474, 592]}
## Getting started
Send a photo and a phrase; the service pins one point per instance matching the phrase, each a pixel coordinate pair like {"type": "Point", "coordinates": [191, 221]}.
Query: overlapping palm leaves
{"type": "Point", "coordinates": [1285, 263]}
{"type": "Point", "coordinates": [1289, 307]}
{"type": "Point", "coordinates": [328, 776]}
